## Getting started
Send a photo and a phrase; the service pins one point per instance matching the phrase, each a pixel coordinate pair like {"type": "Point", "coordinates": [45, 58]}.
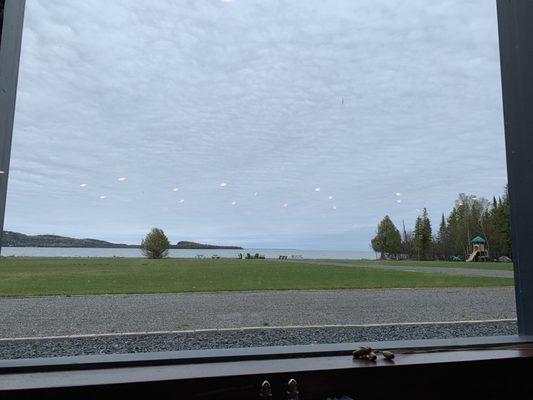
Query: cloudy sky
{"type": "Point", "coordinates": [263, 123]}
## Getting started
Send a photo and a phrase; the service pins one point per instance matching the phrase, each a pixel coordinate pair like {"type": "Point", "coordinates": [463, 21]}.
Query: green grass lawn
{"type": "Point", "coordinates": [46, 276]}
{"type": "Point", "coordinates": [444, 264]}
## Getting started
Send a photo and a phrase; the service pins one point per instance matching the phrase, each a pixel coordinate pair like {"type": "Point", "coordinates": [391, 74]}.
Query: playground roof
{"type": "Point", "coordinates": [478, 239]}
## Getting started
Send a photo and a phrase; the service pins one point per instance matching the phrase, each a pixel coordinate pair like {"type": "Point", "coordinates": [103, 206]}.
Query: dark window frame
{"type": "Point", "coordinates": [516, 53]}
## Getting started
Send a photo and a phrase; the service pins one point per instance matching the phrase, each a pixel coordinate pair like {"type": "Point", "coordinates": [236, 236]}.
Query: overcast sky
{"type": "Point", "coordinates": [269, 123]}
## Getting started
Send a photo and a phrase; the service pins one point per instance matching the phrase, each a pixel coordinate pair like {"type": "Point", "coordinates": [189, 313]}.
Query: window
{"type": "Point", "coordinates": [266, 127]}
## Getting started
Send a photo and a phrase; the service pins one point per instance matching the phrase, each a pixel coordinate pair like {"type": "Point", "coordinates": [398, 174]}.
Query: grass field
{"type": "Point", "coordinates": [444, 264]}
{"type": "Point", "coordinates": [46, 276]}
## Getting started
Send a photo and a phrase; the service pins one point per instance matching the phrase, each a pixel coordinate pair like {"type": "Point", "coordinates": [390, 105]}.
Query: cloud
{"type": "Point", "coordinates": [362, 99]}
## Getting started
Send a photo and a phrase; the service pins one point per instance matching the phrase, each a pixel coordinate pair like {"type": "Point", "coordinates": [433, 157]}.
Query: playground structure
{"type": "Point", "coordinates": [479, 251]}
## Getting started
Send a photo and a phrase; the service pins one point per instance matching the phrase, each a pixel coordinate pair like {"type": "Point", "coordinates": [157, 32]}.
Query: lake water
{"type": "Point", "coordinates": [134, 253]}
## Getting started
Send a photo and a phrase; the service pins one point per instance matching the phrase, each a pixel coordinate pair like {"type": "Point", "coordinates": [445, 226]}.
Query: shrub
{"type": "Point", "coordinates": [155, 244]}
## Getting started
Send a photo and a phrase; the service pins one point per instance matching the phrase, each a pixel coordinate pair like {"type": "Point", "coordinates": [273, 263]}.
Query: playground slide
{"type": "Point", "coordinates": [472, 256]}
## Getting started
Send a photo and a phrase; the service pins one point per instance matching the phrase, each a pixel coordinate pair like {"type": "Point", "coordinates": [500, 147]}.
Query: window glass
{"type": "Point", "coordinates": [311, 171]}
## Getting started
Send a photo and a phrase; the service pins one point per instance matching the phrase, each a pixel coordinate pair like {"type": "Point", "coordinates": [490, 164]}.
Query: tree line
{"type": "Point", "coordinates": [470, 217]}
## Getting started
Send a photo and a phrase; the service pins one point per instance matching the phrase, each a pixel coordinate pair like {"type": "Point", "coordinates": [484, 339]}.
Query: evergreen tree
{"type": "Point", "coordinates": [417, 237]}
{"type": "Point", "coordinates": [423, 238]}
{"type": "Point", "coordinates": [505, 227]}
{"type": "Point", "coordinates": [441, 242]}
{"type": "Point", "coordinates": [499, 227]}
{"type": "Point", "coordinates": [155, 244]}
{"type": "Point", "coordinates": [388, 241]}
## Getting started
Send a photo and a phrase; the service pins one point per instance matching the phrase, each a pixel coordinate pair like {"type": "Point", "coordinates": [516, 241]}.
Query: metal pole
{"type": "Point", "coordinates": [11, 20]}
{"type": "Point", "coordinates": [516, 56]}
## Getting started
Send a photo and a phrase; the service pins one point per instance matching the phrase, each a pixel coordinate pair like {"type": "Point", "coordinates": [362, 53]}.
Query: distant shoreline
{"type": "Point", "coordinates": [126, 246]}
{"type": "Point", "coordinates": [182, 253]}
{"type": "Point", "coordinates": [15, 239]}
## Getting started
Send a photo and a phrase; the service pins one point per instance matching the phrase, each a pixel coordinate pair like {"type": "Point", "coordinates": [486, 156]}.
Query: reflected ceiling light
{"type": "Point", "coordinates": [398, 201]}
{"type": "Point", "coordinates": [103, 197]}
{"type": "Point", "coordinates": [256, 194]}
{"type": "Point", "coordinates": [175, 189]}
{"type": "Point", "coordinates": [121, 179]}
{"type": "Point", "coordinates": [233, 203]}
{"type": "Point", "coordinates": [83, 185]}
{"type": "Point", "coordinates": [182, 201]}
{"type": "Point", "coordinates": [398, 194]}
{"type": "Point", "coordinates": [334, 207]}
{"type": "Point", "coordinates": [285, 205]}
{"type": "Point", "coordinates": [227, 1]}
{"type": "Point", "coordinates": [223, 184]}
{"type": "Point", "coordinates": [330, 197]}
{"type": "Point", "coordinates": [317, 189]}
{"type": "Point", "coordinates": [2, 172]}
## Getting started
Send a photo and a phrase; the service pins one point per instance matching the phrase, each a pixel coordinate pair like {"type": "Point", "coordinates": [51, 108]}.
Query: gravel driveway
{"type": "Point", "coordinates": [53, 316]}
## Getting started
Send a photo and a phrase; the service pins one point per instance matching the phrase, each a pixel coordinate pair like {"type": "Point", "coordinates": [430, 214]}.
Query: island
{"type": "Point", "coordinates": [15, 239]}
{"type": "Point", "coordinates": [201, 246]}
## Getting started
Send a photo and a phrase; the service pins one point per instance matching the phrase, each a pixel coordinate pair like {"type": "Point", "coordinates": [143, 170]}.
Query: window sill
{"type": "Point", "coordinates": [251, 365]}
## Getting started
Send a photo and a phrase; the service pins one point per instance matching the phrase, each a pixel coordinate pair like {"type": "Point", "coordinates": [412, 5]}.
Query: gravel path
{"type": "Point", "coordinates": [52, 316]}
{"type": "Point", "coordinates": [444, 270]}
{"type": "Point", "coordinates": [249, 338]}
